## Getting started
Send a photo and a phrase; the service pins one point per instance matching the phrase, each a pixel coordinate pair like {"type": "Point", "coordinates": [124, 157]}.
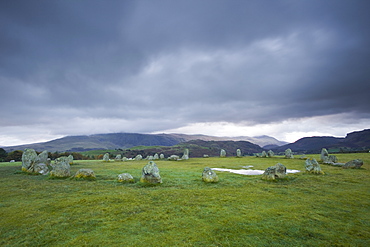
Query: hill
{"type": "Point", "coordinates": [354, 141]}
{"type": "Point", "coordinates": [127, 140]}
{"type": "Point", "coordinates": [197, 148]}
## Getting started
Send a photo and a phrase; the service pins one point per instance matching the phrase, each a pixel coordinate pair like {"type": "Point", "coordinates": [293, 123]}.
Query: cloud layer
{"type": "Point", "coordinates": [87, 67]}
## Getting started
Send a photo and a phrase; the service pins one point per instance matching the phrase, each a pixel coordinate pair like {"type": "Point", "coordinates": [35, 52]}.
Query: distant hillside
{"type": "Point", "coordinates": [354, 141]}
{"type": "Point", "coordinates": [197, 148]}
{"type": "Point", "coordinates": [128, 140]}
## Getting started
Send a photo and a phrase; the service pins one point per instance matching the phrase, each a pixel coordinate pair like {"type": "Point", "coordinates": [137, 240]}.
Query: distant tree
{"type": "Point", "coordinates": [15, 155]}
{"type": "Point", "coordinates": [3, 155]}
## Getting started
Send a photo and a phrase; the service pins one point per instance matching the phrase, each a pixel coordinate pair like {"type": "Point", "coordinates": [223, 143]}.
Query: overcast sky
{"type": "Point", "coordinates": [284, 68]}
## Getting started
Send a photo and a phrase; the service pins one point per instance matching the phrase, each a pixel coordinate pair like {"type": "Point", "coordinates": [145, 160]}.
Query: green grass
{"type": "Point", "coordinates": [302, 210]}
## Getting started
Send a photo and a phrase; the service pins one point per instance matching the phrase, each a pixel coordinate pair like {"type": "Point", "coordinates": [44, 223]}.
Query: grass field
{"type": "Point", "coordinates": [301, 210]}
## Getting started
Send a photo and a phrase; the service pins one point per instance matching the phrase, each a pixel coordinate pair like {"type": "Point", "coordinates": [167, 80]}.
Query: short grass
{"type": "Point", "coordinates": [301, 210]}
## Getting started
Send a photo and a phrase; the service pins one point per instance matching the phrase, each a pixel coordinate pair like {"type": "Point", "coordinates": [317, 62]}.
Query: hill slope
{"type": "Point", "coordinates": [354, 141]}
{"type": "Point", "coordinates": [128, 140]}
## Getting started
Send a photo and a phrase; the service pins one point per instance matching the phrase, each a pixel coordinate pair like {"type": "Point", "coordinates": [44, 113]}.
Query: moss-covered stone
{"type": "Point", "coordinates": [209, 175]}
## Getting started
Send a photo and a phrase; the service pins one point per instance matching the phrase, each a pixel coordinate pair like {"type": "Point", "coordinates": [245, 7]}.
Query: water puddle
{"type": "Point", "coordinates": [249, 171]}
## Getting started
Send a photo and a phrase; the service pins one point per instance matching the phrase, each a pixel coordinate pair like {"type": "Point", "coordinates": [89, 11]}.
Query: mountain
{"type": "Point", "coordinates": [128, 140]}
{"type": "Point", "coordinates": [354, 141]}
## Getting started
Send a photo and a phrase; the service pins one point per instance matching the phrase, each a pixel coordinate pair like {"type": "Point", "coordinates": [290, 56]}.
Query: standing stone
{"type": "Point", "coordinates": [29, 157]}
{"type": "Point", "coordinates": [289, 154]}
{"type": "Point", "coordinates": [139, 157]}
{"type": "Point", "coordinates": [333, 159]}
{"type": "Point", "coordinates": [312, 166]}
{"type": "Point", "coordinates": [61, 168]}
{"type": "Point", "coordinates": [263, 154]}
{"type": "Point", "coordinates": [353, 164]}
{"type": "Point", "coordinates": [205, 156]}
{"type": "Point", "coordinates": [106, 157]}
{"type": "Point", "coordinates": [125, 178]}
{"type": "Point", "coordinates": [150, 157]}
{"type": "Point", "coordinates": [222, 153]}
{"type": "Point", "coordinates": [118, 157]}
{"type": "Point", "coordinates": [274, 172]}
{"type": "Point", "coordinates": [85, 173]}
{"type": "Point", "coordinates": [270, 153]}
{"type": "Point", "coordinates": [155, 157]}
{"type": "Point", "coordinates": [41, 168]}
{"type": "Point", "coordinates": [124, 159]}
{"type": "Point", "coordinates": [42, 157]}
{"type": "Point", "coordinates": [161, 156]}
{"type": "Point", "coordinates": [150, 174]}
{"type": "Point", "coordinates": [186, 154]}
{"type": "Point", "coordinates": [70, 159]}
{"type": "Point", "coordinates": [324, 156]}
{"type": "Point", "coordinates": [238, 153]}
{"type": "Point", "coordinates": [209, 175]}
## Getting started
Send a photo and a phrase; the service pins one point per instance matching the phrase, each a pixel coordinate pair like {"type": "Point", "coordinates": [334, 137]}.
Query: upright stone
{"type": "Point", "coordinates": [118, 157]}
{"type": "Point", "coordinates": [324, 156]}
{"type": "Point", "coordinates": [222, 153]}
{"type": "Point", "coordinates": [70, 159]}
{"type": "Point", "coordinates": [29, 157]}
{"type": "Point", "coordinates": [289, 154]}
{"type": "Point", "coordinates": [156, 157]}
{"type": "Point", "coordinates": [42, 158]}
{"type": "Point", "coordinates": [150, 174]}
{"type": "Point", "coordinates": [61, 168]}
{"type": "Point", "coordinates": [238, 153]}
{"type": "Point", "coordinates": [312, 166]}
{"type": "Point", "coordinates": [209, 175]}
{"type": "Point", "coordinates": [263, 154]}
{"type": "Point", "coordinates": [106, 157]}
{"type": "Point", "coordinates": [186, 154]}
{"type": "Point", "coordinates": [161, 156]}
{"type": "Point", "coordinates": [139, 157]}
{"type": "Point", "coordinates": [274, 172]}
{"type": "Point", "coordinates": [270, 154]}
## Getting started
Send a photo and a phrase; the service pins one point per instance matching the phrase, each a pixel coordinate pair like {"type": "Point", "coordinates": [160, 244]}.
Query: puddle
{"type": "Point", "coordinates": [249, 172]}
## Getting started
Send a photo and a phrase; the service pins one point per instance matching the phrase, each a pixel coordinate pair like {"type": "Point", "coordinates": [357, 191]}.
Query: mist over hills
{"type": "Point", "coordinates": [128, 140]}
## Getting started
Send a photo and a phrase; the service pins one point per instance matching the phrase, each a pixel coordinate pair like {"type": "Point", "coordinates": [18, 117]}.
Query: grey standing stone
{"type": "Point", "coordinates": [139, 157]}
{"type": "Point", "coordinates": [150, 174]}
{"type": "Point", "coordinates": [29, 157]}
{"type": "Point", "coordinates": [289, 154]}
{"type": "Point", "coordinates": [324, 156]}
{"type": "Point", "coordinates": [41, 168]}
{"type": "Point", "coordinates": [238, 153]}
{"type": "Point", "coordinates": [161, 156]}
{"type": "Point", "coordinates": [186, 154]}
{"type": "Point", "coordinates": [118, 157]}
{"type": "Point", "coordinates": [106, 157]}
{"type": "Point", "coordinates": [61, 168]}
{"type": "Point", "coordinates": [222, 153]}
{"type": "Point", "coordinates": [270, 154]}
{"type": "Point", "coordinates": [156, 157]}
{"type": "Point", "coordinates": [263, 154]}
{"type": "Point", "coordinates": [312, 166]}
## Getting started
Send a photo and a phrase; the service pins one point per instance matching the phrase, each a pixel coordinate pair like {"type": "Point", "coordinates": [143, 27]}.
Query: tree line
{"type": "Point", "coordinates": [17, 155]}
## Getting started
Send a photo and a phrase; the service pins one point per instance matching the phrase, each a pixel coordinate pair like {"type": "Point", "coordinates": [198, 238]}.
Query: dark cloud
{"type": "Point", "coordinates": [174, 63]}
